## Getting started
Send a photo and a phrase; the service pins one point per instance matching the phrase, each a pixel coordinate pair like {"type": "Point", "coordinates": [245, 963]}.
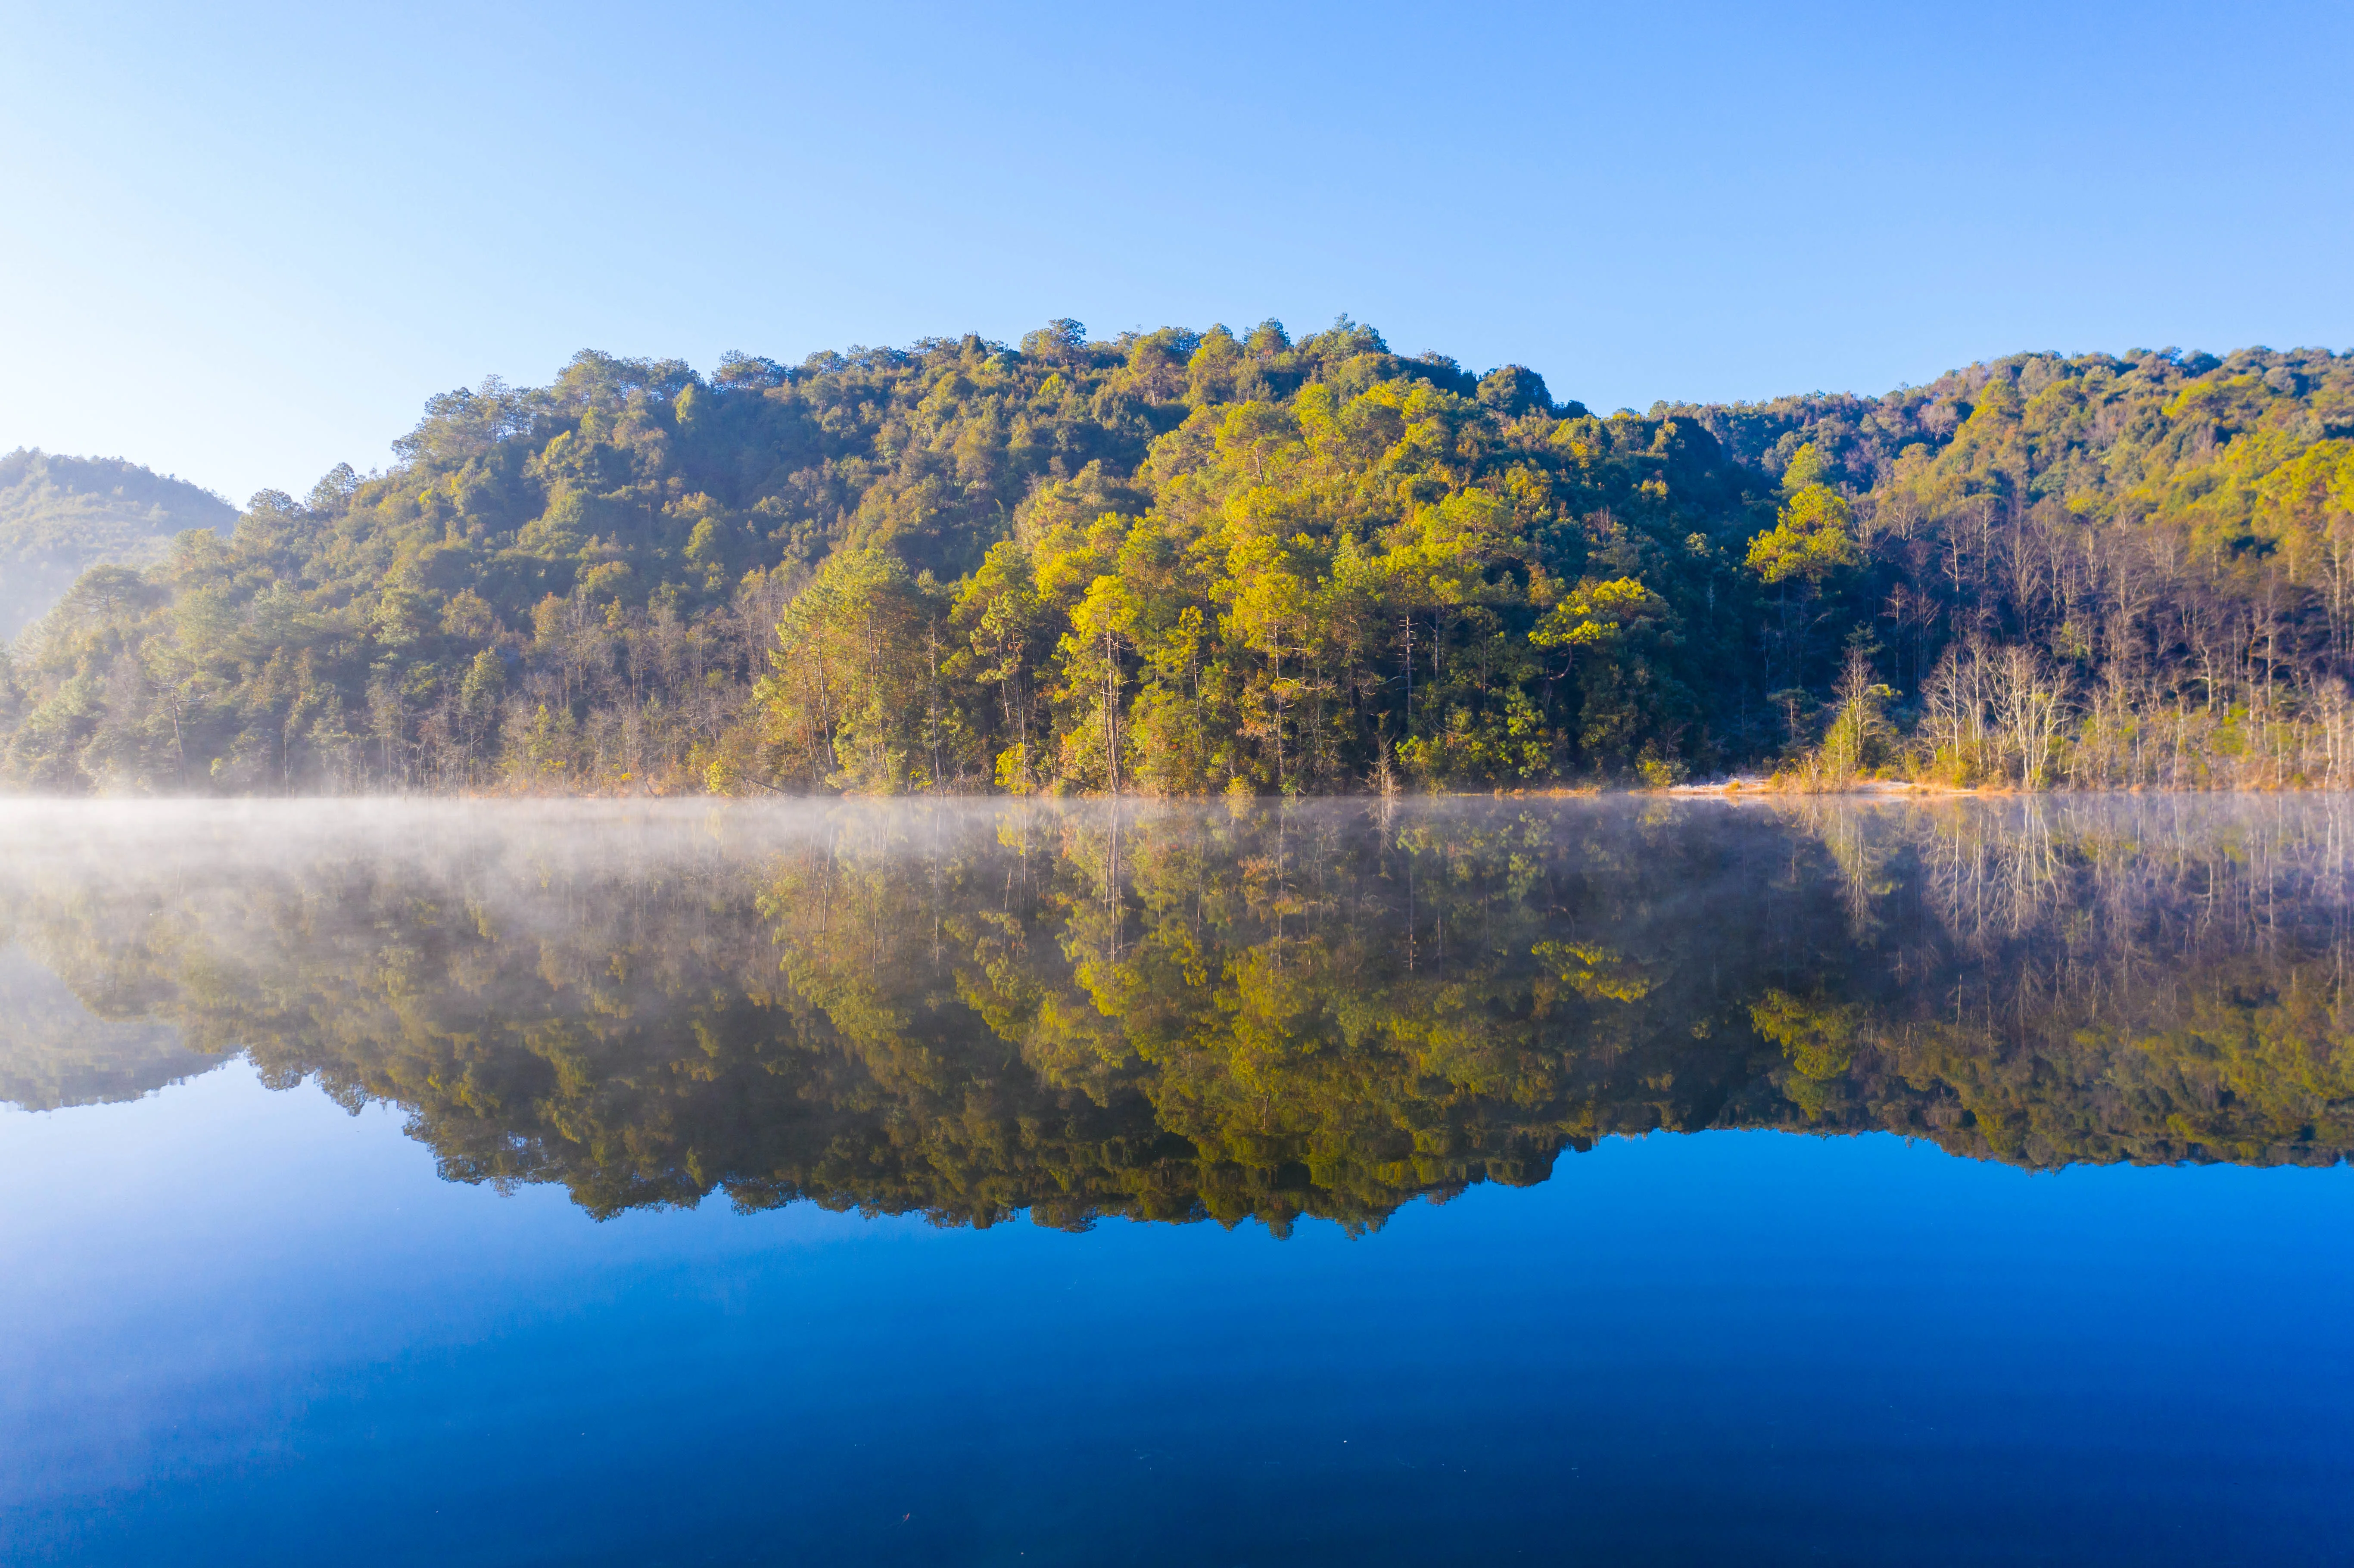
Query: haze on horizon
{"type": "Point", "coordinates": [247, 245]}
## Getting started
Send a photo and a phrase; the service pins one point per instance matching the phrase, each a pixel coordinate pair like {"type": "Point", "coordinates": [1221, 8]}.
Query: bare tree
{"type": "Point", "coordinates": [2029, 700]}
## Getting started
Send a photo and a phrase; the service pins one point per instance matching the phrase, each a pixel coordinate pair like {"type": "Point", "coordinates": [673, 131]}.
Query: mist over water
{"type": "Point", "coordinates": [1553, 1104]}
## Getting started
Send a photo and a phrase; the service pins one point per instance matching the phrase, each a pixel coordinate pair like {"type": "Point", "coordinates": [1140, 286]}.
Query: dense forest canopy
{"type": "Point", "coordinates": [1224, 1012]}
{"type": "Point", "coordinates": [1184, 563]}
{"type": "Point", "coordinates": [60, 515]}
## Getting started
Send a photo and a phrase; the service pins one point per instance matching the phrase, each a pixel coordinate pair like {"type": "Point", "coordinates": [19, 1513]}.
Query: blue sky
{"type": "Point", "coordinates": [243, 243]}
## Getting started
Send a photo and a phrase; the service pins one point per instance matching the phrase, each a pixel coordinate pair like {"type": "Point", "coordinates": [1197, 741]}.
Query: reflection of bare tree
{"type": "Point", "coordinates": [1990, 870]}
{"type": "Point", "coordinates": [2185, 952]}
{"type": "Point", "coordinates": [2058, 870]}
{"type": "Point", "coordinates": [1861, 857]}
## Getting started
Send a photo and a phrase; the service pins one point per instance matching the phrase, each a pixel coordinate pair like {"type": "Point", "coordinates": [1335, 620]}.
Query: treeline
{"type": "Point", "coordinates": [1221, 1014]}
{"type": "Point", "coordinates": [1179, 564]}
{"type": "Point", "coordinates": [2089, 572]}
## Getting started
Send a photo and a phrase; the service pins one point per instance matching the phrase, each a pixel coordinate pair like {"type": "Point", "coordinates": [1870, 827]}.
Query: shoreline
{"type": "Point", "coordinates": [1758, 784]}
{"type": "Point", "coordinates": [1752, 787]}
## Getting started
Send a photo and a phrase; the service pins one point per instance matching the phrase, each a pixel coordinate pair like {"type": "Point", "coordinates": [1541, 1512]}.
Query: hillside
{"type": "Point", "coordinates": [1182, 562]}
{"type": "Point", "coordinates": [60, 516]}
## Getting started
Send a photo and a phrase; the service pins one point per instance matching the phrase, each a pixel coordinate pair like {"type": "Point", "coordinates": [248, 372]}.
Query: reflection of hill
{"type": "Point", "coordinates": [54, 1051]}
{"type": "Point", "coordinates": [1183, 1014]}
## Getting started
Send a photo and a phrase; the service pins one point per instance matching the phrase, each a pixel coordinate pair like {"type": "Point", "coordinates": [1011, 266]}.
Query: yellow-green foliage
{"type": "Point", "coordinates": [1184, 563]}
{"type": "Point", "coordinates": [1813, 537]}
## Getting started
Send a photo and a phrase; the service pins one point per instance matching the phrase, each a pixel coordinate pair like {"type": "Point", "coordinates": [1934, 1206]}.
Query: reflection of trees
{"type": "Point", "coordinates": [54, 1051]}
{"type": "Point", "coordinates": [2099, 979]}
{"type": "Point", "coordinates": [1175, 1014]}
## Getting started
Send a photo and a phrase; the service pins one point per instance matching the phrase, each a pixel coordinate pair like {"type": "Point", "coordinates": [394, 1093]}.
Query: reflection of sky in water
{"type": "Point", "coordinates": [240, 1326]}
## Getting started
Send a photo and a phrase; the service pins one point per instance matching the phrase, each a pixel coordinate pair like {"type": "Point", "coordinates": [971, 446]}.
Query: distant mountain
{"type": "Point", "coordinates": [62, 514]}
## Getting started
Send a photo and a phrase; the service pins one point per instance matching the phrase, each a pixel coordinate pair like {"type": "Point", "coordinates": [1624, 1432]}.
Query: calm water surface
{"type": "Point", "coordinates": [1563, 1181]}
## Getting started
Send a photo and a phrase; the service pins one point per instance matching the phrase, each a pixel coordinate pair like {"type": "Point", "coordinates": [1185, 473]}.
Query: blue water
{"type": "Point", "coordinates": [237, 1326]}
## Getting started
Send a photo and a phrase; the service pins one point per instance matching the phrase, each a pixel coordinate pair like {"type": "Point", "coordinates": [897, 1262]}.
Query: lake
{"type": "Point", "coordinates": [1563, 1181]}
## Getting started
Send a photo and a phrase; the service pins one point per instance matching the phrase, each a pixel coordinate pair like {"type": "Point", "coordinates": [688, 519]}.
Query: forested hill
{"type": "Point", "coordinates": [1182, 562]}
{"type": "Point", "coordinates": [62, 514]}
